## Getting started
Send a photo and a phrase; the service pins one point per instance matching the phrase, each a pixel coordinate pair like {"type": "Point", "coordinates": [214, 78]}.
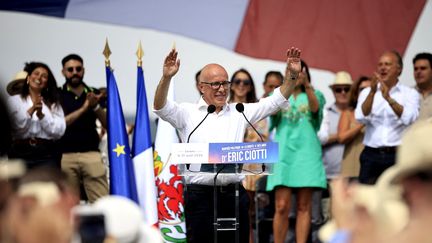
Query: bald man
{"type": "Point", "coordinates": [226, 124]}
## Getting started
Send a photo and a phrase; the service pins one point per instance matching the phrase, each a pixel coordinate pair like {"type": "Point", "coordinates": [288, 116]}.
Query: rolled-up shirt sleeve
{"type": "Point", "coordinates": [21, 119]}
{"type": "Point", "coordinates": [266, 106]}
{"type": "Point", "coordinates": [172, 113]}
{"type": "Point", "coordinates": [411, 106]}
{"type": "Point", "coordinates": [358, 113]}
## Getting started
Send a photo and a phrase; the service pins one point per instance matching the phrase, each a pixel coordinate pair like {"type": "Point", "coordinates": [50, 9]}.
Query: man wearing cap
{"type": "Point", "coordinates": [423, 77]}
{"type": "Point", "coordinates": [387, 108]}
{"type": "Point", "coordinates": [81, 160]}
{"type": "Point", "coordinates": [414, 174]}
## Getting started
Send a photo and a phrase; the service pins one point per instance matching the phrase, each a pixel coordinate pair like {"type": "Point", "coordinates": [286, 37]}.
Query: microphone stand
{"type": "Point", "coordinates": [210, 109]}
{"type": "Point", "coordinates": [240, 108]}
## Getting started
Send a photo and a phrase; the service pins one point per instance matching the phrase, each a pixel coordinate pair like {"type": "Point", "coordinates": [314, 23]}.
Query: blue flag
{"type": "Point", "coordinates": [122, 175]}
{"type": "Point", "coordinates": [142, 154]}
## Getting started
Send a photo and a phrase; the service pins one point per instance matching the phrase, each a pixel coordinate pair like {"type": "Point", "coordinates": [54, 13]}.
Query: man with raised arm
{"type": "Point", "coordinates": [226, 124]}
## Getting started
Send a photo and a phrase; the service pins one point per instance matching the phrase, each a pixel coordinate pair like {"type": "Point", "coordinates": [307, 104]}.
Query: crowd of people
{"type": "Point", "coordinates": [356, 144]}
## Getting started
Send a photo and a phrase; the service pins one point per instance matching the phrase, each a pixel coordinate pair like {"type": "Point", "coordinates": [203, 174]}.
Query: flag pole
{"type": "Point", "coordinates": [107, 53]}
{"type": "Point", "coordinates": [140, 54]}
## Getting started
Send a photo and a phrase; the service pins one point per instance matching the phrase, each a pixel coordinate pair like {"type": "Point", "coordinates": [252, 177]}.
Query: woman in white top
{"type": "Point", "coordinates": [37, 118]}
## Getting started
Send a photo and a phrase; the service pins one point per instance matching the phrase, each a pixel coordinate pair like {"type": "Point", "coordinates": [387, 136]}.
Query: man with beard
{"type": "Point", "coordinates": [81, 159]}
{"type": "Point", "coordinates": [386, 108]}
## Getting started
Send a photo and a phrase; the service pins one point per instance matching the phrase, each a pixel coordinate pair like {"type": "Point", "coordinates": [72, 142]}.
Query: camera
{"type": "Point", "coordinates": [90, 225]}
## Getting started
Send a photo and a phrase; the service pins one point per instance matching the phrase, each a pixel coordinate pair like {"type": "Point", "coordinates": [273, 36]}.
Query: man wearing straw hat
{"type": "Point", "coordinates": [387, 108]}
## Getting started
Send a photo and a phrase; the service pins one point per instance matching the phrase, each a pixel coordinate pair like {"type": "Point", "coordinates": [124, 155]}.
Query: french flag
{"type": "Point", "coordinates": [142, 155]}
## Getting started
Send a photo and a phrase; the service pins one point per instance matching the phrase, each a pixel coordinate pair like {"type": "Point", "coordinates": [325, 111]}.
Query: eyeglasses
{"type": "Point", "coordinates": [340, 89]}
{"type": "Point", "coordinates": [217, 85]}
{"type": "Point", "coordinates": [77, 69]}
{"type": "Point", "coordinates": [245, 82]}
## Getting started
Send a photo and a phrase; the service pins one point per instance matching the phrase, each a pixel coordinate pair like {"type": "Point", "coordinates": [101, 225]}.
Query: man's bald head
{"type": "Point", "coordinates": [214, 73]}
{"type": "Point", "coordinates": [209, 71]}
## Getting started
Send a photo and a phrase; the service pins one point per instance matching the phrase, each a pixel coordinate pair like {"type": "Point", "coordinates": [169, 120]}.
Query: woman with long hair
{"type": "Point", "coordinates": [351, 132]}
{"type": "Point", "coordinates": [37, 118]}
{"type": "Point", "coordinates": [300, 166]}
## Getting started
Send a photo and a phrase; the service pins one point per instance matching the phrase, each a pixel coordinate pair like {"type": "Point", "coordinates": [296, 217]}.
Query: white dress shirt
{"type": "Point", "coordinates": [383, 127]}
{"type": "Point", "coordinates": [52, 126]}
{"type": "Point", "coordinates": [226, 126]}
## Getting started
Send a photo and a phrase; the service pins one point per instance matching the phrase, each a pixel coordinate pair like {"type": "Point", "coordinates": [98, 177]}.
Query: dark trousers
{"type": "Point", "coordinates": [37, 155]}
{"type": "Point", "coordinates": [374, 161]}
{"type": "Point", "coordinates": [199, 213]}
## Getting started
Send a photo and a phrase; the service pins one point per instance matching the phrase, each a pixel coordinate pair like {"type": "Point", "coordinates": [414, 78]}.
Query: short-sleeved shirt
{"type": "Point", "coordinates": [81, 135]}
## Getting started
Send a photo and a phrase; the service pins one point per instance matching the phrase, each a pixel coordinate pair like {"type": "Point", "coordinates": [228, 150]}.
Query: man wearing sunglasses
{"type": "Point", "coordinates": [81, 159]}
{"type": "Point", "coordinates": [386, 108]}
{"type": "Point", "coordinates": [226, 124]}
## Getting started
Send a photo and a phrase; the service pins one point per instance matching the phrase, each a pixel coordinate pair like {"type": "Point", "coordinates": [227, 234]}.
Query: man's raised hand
{"type": "Point", "coordinates": [171, 64]}
{"type": "Point", "coordinates": [293, 63]}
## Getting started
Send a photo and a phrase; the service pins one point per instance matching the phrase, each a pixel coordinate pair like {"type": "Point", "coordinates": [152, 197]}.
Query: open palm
{"type": "Point", "coordinates": [171, 64]}
{"type": "Point", "coordinates": [293, 63]}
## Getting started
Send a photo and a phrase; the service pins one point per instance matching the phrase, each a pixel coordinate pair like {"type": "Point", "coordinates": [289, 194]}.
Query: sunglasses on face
{"type": "Point", "coordinates": [340, 89]}
{"type": "Point", "coordinates": [217, 85]}
{"type": "Point", "coordinates": [245, 82]}
{"type": "Point", "coordinates": [77, 69]}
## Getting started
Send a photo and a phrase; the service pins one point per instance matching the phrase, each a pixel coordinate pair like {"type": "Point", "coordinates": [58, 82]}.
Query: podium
{"type": "Point", "coordinates": [219, 161]}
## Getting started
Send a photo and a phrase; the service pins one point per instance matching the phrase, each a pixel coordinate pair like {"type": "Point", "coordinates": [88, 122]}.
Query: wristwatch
{"type": "Point", "coordinates": [391, 101]}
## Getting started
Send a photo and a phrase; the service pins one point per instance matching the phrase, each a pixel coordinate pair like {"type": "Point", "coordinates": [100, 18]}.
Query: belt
{"type": "Point", "coordinates": [32, 141]}
{"type": "Point", "coordinates": [206, 188]}
{"type": "Point", "coordinates": [383, 150]}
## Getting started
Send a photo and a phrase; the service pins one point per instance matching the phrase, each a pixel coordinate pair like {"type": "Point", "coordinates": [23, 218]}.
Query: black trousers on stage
{"type": "Point", "coordinates": [199, 212]}
{"type": "Point", "coordinates": [374, 161]}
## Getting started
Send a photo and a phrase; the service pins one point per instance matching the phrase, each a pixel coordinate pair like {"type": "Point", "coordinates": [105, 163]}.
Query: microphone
{"type": "Point", "coordinates": [240, 108]}
{"type": "Point", "coordinates": [210, 109]}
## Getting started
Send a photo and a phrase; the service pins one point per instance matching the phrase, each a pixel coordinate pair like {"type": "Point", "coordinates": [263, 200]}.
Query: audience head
{"type": "Point", "coordinates": [414, 163]}
{"type": "Point", "coordinates": [272, 80]}
{"type": "Point", "coordinates": [40, 79]}
{"type": "Point", "coordinates": [214, 85]}
{"type": "Point", "coordinates": [305, 70]}
{"type": "Point", "coordinates": [423, 70]}
{"type": "Point", "coordinates": [197, 80]}
{"type": "Point", "coordinates": [361, 83]}
{"type": "Point", "coordinates": [122, 219]}
{"type": "Point", "coordinates": [341, 87]}
{"type": "Point", "coordinates": [73, 70]}
{"type": "Point", "coordinates": [242, 87]}
{"type": "Point", "coordinates": [5, 128]}
{"type": "Point", "coordinates": [15, 86]}
{"type": "Point", "coordinates": [390, 67]}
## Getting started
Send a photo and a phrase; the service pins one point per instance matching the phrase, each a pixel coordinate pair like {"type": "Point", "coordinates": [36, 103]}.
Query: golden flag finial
{"type": "Point", "coordinates": [140, 54]}
{"type": "Point", "coordinates": [107, 53]}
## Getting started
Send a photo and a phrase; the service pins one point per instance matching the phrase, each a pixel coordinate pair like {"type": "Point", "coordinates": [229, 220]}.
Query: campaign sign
{"type": "Point", "coordinates": [243, 153]}
{"type": "Point", "coordinates": [239, 153]}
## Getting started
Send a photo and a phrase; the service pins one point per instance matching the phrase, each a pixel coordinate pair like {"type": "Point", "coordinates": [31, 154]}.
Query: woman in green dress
{"type": "Point", "coordinates": [300, 166]}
